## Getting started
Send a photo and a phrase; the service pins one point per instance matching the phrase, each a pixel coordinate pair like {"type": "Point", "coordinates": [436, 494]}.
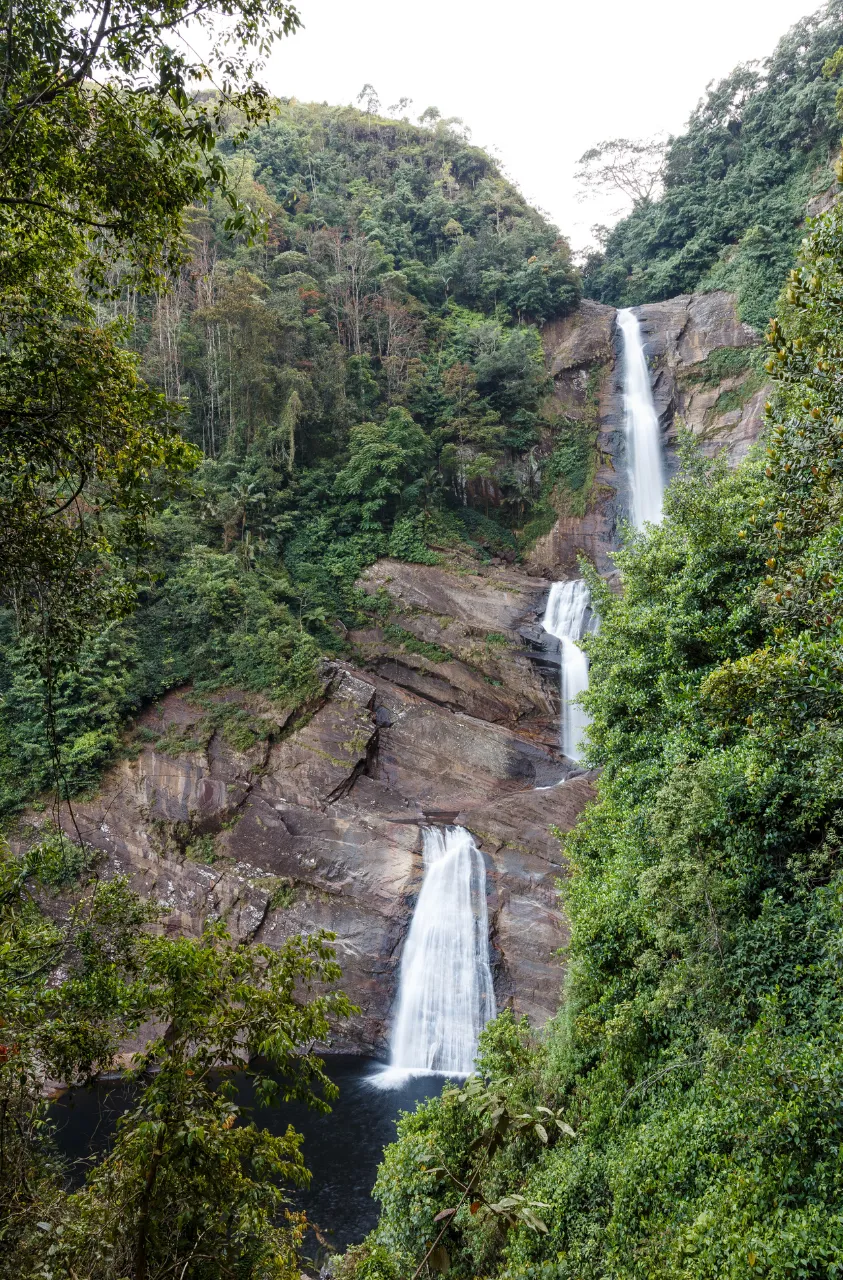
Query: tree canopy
{"type": "Point", "coordinates": [737, 183]}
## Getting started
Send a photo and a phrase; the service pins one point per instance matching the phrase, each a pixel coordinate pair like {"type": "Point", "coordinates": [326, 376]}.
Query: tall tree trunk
{"type": "Point", "coordinates": [142, 1242]}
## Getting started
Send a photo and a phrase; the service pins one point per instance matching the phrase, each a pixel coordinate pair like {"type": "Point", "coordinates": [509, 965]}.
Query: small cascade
{"type": "Point", "coordinates": [568, 616]}
{"type": "Point", "coordinates": [643, 439]}
{"type": "Point", "coordinates": [445, 993]}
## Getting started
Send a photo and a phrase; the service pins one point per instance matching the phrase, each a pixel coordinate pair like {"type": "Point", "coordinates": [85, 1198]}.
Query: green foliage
{"type": "Point", "coordinates": [105, 141]}
{"type": "Point", "coordinates": [412, 644]}
{"type": "Point", "coordinates": [364, 382]}
{"type": "Point", "coordinates": [406, 542]}
{"type": "Point", "coordinates": [736, 183]}
{"type": "Point", "coordinates": [74, 723]}
{"type": "Point", "coordinates": [214, 623]}
{"type": "Point", "coordinates": [202, 849]}
{"type": "Point", "coordinates": [572, 458]}
{"type": "Point", "coordinates": [384, 458]}
{"type": "Point", "coordinates": [217, 622]}
{"type": "Point", "coordinates": [81, 435]}
{"type": "Point", "coordinates": [698, 1053]}
{"type": "Point", "coordinates": [283, 895]}
{"type": "Point", "coordinates": [722, 363]}
{"type": "Point", "coordinates": [368, 1261]}
{"type": "Point", "coordinates": [190, 1184]}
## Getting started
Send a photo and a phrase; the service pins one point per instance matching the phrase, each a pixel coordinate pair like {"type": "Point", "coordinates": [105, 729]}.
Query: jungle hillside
{"type": "Point", "coordinates": [248, 347]}
{"type": "Point", "coordinates": [734, 188]}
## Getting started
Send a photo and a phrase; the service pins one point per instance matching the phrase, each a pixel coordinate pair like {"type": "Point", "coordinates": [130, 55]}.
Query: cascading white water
{"type": "Point", "coordinates": [445, 993]}
{"type": "Point", "coordinates": [567, 617]}
{"type": "Point", "coordinates": [643, 440]}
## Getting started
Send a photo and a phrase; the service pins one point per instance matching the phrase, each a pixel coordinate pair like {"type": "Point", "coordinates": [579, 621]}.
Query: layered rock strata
{"type": "Point", "coordinates": [317, 823]}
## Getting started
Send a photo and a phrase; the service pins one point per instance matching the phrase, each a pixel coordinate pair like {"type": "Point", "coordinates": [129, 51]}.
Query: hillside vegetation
{"type": "Point", "coordinates": [736, 183]}
{"type": "Point", "coordinates": [206, 434]}
{"type": "Point", "coordinates": [682, 1117]}
{"type": "Point", "coordinates": [364, 378]}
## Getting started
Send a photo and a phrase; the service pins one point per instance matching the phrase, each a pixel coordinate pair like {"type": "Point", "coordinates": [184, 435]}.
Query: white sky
{"type": "Point", "coordinates": [538, 82]}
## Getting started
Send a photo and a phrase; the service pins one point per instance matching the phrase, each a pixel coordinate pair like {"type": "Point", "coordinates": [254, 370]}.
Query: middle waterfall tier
{"type": "Point", "coordinates": [445, 994]}
{"type": "Point", "coordinates": [568, 616]}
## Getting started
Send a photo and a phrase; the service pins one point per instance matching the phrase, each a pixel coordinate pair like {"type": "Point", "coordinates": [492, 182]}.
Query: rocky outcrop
{"type": "Point", "coordinates": [466, 639]}
{"type": "Point", "coordinates": [573, 347]}
{"type": "Point", "coordinates": [699, 353]}
{"type": "Point", "coordinates": [700, 356]}
{"type": "Point", "coordinates": [233, 808]}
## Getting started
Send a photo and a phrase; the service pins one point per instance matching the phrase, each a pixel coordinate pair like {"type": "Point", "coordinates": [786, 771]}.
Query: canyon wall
{"type": "Point", "coordinates": [447, 711]}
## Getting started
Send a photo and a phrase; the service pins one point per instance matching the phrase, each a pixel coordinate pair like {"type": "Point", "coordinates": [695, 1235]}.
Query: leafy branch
{"type": "Point", "coordinates": [501, 1126]}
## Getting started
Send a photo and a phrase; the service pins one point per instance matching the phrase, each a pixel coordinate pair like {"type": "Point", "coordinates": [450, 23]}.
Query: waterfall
{"type": "Point", "coordinates": [643, 440]}
{"type": "Point", "coordinates": [568, 617]}
{"type": "Point", "coordinates": [445, 993]}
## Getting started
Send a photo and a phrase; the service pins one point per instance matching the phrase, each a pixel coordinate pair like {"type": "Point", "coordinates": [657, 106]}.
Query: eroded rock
{"type": "Point", "coordinates": [689, 342]}
{"type": "Point", "coordinates": [318, 823]}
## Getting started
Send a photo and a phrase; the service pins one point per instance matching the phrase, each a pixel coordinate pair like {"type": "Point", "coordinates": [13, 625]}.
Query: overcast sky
{"type": "Point", "coordinates": [538, 82]}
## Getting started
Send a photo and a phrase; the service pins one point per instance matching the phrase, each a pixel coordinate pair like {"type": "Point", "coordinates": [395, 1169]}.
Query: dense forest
{"type": "Point", "coordinates": [363, 377]}
{"type": "Point", "coordinates": [682, 1116]}
{"type": "Point", "coordinates": [737, 183]}
{"type": "Point", "coordinates": [248, 347]}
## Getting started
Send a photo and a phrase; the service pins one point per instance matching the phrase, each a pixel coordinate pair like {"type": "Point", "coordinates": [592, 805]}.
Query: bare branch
{"type": "Point", "coordinates": [633, 167]}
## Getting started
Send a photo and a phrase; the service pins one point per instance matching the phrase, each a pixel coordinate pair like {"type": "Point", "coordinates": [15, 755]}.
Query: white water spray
{"type": "Point", "coordinates": [567, 617]}
{"type": "Point", "coordinates": [445, 993]}
{"type": "Point", "coordinates": [643, 440]}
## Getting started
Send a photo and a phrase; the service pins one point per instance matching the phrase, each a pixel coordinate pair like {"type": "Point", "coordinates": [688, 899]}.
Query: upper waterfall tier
{"type": "Point", "coordinates": [643, 441]}
{"type": "Point", "coordinates": [445, 994]}
{"type": "Point", "coordinates": [567, 617]}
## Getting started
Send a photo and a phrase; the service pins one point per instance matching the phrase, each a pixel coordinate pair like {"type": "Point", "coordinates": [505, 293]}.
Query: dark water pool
{"type": "Point", "coordinates": [342, 1149]}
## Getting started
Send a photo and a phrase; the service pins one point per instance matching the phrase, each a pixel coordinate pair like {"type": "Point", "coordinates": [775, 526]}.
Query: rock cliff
{"type": "Point", "coordinates": [703, 374]}
{"type": "Point", "coordinates": [447, 711]}
{"type": "Point", "coordinates": [700, 355]}
{"type": "Point", "coordinates": [230, 807]}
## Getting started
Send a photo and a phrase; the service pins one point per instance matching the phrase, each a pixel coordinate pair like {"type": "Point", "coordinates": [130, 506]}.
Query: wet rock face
{"type": "Point", "coordinates": [580, 357]}
{"type": "Point", "coordinates": [317, 824]}
{"type": "Point", "coordinates": [699, 354]}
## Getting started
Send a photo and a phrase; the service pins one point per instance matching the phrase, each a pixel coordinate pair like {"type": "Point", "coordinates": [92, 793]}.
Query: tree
{"type": "Point", "coordinates": [104, 142]}
{"type": "Point", "coordinates": [103, 134]}
{"type": "Point", "coordinates": [190, 1186]}
{"type": "Point", "coordinates": [370, 101]}
{"type": "Point", "coordinates": [384, 458]}
{"type": "Point", "coordinates": [633, 167]}
{"type": "Point", "coordinates": [80, 435]}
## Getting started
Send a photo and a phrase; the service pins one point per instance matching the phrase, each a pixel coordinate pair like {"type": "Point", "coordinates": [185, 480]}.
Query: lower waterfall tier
{"type": "Point", "coordinates": [445, 994]}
